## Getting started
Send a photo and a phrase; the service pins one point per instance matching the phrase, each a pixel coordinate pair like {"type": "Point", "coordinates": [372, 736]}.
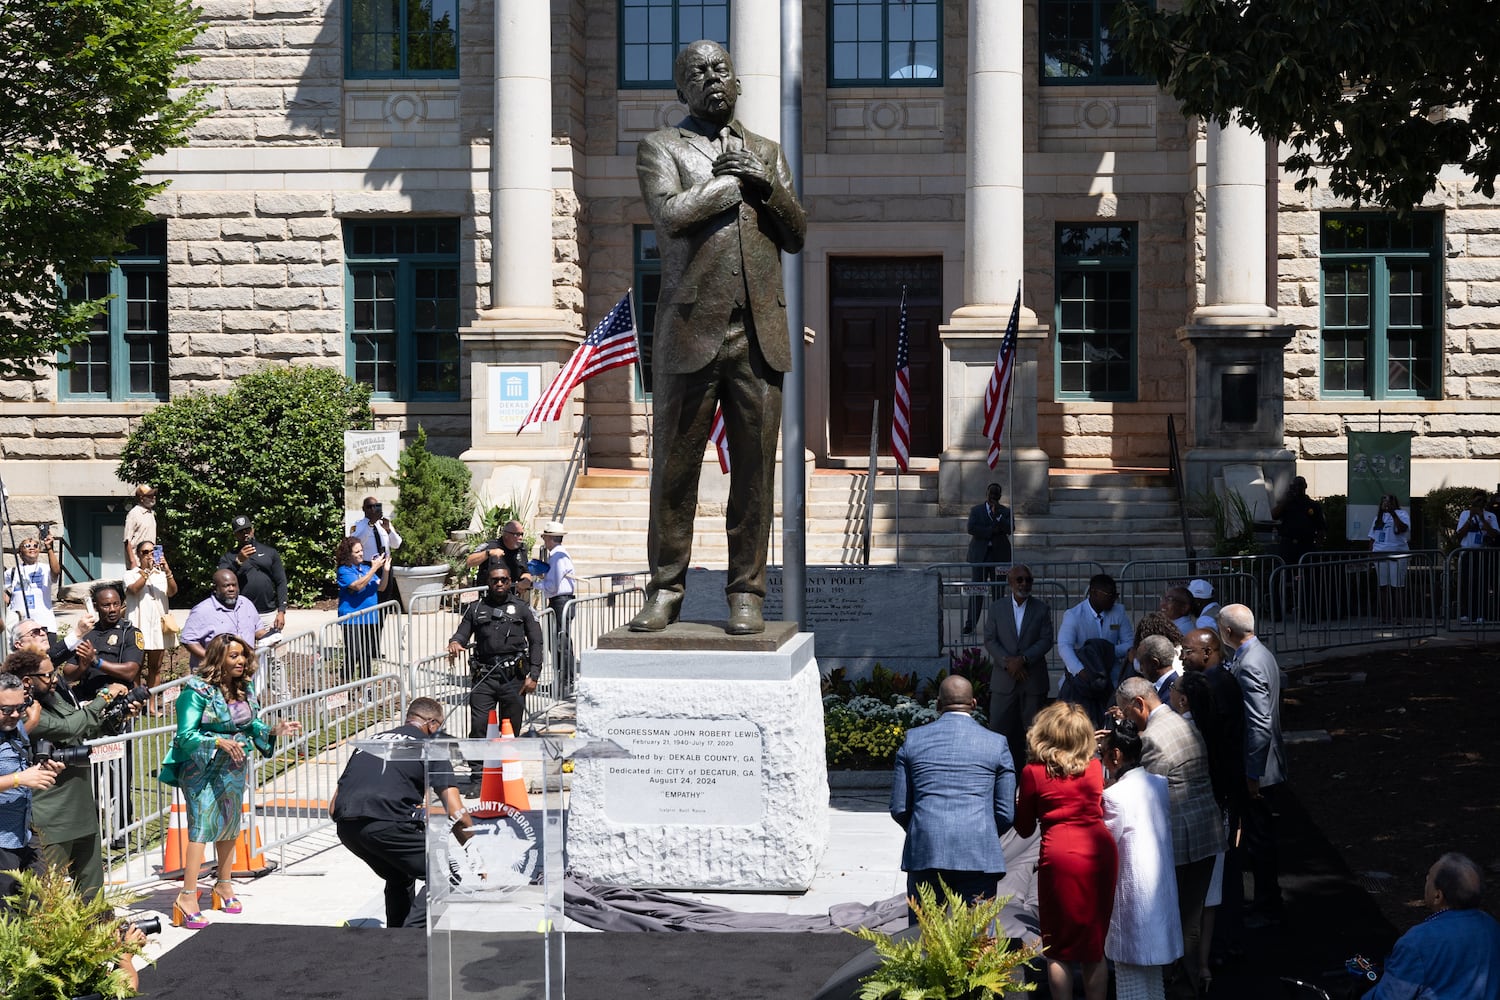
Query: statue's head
{"type": "Point", "coordinates": [705, 80]}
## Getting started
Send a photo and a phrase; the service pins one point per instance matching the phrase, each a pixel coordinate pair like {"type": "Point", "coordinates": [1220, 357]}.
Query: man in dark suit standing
{"type": "Point", "coordinates": [722, 202]}
{"type": "Point", "coordinates": [954, 794]}
{"type": "Point", "coordinates": [1017, 636]}
{"type": "Point", "coordinates": [989, 543]}
{"type": "Point", "coordinates": [1255, 667]}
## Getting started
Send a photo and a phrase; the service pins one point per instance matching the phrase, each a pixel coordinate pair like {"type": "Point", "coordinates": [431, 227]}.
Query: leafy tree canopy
{"type": "Point", "coordinates": [273, 448]}
{"type": "Point", "coordinates": [1382, 94]}
{"type": "Point", "coordinates": [89, 91]}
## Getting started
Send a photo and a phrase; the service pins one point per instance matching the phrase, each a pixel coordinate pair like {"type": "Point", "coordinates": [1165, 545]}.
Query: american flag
{"type": "Point", "coordinates": [901, 415]}
{"type": "Point", "coordinates": [611, 345]}
{"type": "Point", "coordinates": [720, 439]}
{"type": "Point", "coordinates": [998, 394]}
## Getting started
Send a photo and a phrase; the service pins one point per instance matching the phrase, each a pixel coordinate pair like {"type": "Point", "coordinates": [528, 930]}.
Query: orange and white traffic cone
{"type": "Point", "coordinates": [174, 850]}
{"type": "Point", "coordinates": [249, 859]}
{"type": "Point", "coordinates": [503, 782]}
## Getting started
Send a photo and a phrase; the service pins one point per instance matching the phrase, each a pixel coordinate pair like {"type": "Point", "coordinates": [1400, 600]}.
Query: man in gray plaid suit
{"type": "Point", "coordinates": [1172, 747]}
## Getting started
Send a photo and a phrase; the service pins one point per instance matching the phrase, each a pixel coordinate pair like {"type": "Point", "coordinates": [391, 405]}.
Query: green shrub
{"type": "Point", "coordinates": [1440, 512]}
{"type": "Point", "coordinates": [55, 944]}
{"type": "Point", "coordinates": [1336, 517]}
{"type": "Point", "coordinates": [434, 499]}
{"type": "Point", "coordinates": [271, 447]}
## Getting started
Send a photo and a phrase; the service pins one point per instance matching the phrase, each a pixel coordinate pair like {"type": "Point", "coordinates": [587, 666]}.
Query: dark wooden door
{"type": "Point", "coordinates": [864, 317]}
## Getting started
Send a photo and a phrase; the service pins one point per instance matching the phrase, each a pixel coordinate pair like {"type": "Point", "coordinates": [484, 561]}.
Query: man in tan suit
{"type": "Point", "coordinates": [722, 202]}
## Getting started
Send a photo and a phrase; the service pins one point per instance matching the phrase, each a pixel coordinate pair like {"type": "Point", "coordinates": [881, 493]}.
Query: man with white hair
{"type": "Point", "coordinates": [1156, 656]}
{"type": "Point", "coordinates": [1254, 666]}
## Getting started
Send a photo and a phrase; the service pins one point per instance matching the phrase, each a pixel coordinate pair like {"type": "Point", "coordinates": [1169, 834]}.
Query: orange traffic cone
{"type": "Point", "coordinates": [503, 782]}
{"type": "Point", "coordinates": [174, 849]}
{"type": "Point", "coordinates": [248, 856]}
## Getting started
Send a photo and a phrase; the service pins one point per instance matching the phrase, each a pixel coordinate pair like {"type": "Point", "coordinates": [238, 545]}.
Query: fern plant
{"type": "Point", "coordinates": [957, 955]}
{"type": "Point", "coordinates": [56, 944]}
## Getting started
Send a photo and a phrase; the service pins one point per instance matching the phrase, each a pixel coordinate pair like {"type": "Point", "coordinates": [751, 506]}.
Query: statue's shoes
{"type": "Point", "coordinates": [745, 615]}
{"type": "Point", "coordinates": [660, 611]}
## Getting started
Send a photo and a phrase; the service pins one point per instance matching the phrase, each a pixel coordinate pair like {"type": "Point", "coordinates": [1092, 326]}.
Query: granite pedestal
{"type": "Point", "coordinates": [727, 785]}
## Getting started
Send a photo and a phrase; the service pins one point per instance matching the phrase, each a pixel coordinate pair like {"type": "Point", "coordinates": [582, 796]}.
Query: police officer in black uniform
{"type": "Point", "coordinates": [380, 807]}
{"type": "Point", "coordinates": [114, 653]}
{"type": "Point", "coordinates": [507, 658]}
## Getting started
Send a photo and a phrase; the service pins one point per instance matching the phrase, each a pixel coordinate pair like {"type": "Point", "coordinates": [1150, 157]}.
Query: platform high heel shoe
{"type": "Point", "coordinates": [224, 897]}
{"type": "Point", "coordinates": [187, 916]}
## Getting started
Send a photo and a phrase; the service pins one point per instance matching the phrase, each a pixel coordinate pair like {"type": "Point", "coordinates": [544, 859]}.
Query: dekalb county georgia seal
{"type": "Point", "coordinates": [501, 856]}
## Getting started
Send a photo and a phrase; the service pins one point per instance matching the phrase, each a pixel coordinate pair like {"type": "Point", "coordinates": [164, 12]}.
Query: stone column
{"type": "Point", "coordinates": [522, 333]}
{"type": "Point", "coordinates": [1234, 341]}
{"type": "Point", "coordinates": [994, 261]}
{"type": "Point", "coordinates": [755, 47]}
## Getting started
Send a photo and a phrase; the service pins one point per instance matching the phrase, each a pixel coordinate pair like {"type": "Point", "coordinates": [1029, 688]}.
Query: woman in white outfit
{"type": "Point", "coordinates": [1145, 932]}
{"type": "Point", "coordinates": [1390, 532]}
{"type": "Point", "coordinates": [148, 588]}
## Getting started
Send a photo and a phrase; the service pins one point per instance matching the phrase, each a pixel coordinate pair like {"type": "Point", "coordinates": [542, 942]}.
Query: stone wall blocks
{"type": "Point", "coordinates": [186, 320]}
{"type": "Point", "coordinates": [316, 275]}
{"type": "Point", "coordinates": [296, 128]}
{"type": "Point", "coordinates": [224, 344]}
{"type": "Point", "coordinates": [288, 345]}
{"type": "Point", "coordinates": [253, 98]}
{"type": "Point", "coordinates": [215, 204]}
{"type": "Point", "coordinates": [371, 203]}
{"type": "Point", "coordinates": [78, 447]}
{"type": "Point", "coordinates": [1486, 365]}
{"type": "Point", "coordinates": [1480, 317]}
{"type": "Point", "coordinates": [237, 368]}
{"type": "Point", "coordinates": [1475, 293]}
{"type": "Point", "coordinates": [306, 36]}
{"type": "Point", "coordinates": [282, 67]}
{"type": "Point", "coordinates": [1313, 424]}
{"type": "Point", "coordinates": [188, 275]}
{"type": "Point", "coordinates": [1464, 424]}
{"type": "Point", "coordinates": [1439, 447]}
{"type": "Point", "coordinates": [194, 368]}
{"type": "Point", "coordinates": [289, 298]}
{"type": "Point", "coordinates": [180, 230]}
{"type": "Point", "coordinates": [1484, 219]}
{"type": "Point", "coordinates": [567, 274]}
{"type": "Point", "coordinates": [14, 427]}
{"type": "Point", "coordinates": [255, 275]}
{"type": "Point", "coordinates": [565, 250]}
{"type": "Point", "coordinates": [79, 426]}
{"type": "Point", "coordinates": [269, 203]}
{"type": "Point", "coordinates": [220, 298]}
{"type": "Point", "coordinates": [220, 252]}
{"type": "Point", "coordinates": [1479, 341]}
{"type": "Point", "coordinates": [1325, 447]}
{"type": "Point", "coordinates": [314, 228]}
{"type": "Point", "coordinates": [1473, 269]}
{"type": "Point", "coordinates": [218, 130]}
{"type": "Point", "coordinates": [263, 37]}
{"type": "Point", "coordinates": [1463, 388]}
{"type": "Point", "coordinates": [251, 322]}
{"type": "Point", "coordinates": [226, 10]}
{"type": "Point", "coordinates": [17, 391]}
{"type": "Point", "coordinates": [568, 298]}
{"type": "Point", "coordinates": [254, 229]}
{"type": "Point", "coordinates": [290, 252]}
{"type": "Point", "coordinates": [318, 321]}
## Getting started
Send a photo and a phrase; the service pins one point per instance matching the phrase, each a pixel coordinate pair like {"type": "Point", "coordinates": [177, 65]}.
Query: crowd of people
{"type": "Point", "coordinates": [1154, 779]}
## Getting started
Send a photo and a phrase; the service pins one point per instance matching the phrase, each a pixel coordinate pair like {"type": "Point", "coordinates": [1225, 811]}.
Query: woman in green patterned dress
{"type": "Point", "coordinates": [217, 722]}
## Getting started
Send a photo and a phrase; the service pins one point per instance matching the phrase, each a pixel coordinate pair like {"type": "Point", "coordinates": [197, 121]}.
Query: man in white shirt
{"type": "Point", "coordinates": [1207, 609]}
{"type": "Point", "coordinates": [1098, 616]}
{"type": "Point", "coordinates": [375, 532]}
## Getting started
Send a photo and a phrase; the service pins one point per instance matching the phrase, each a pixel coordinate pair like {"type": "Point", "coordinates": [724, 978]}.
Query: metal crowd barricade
{"type": "Point", "coordinates": [1236, 580]}
{"type": "Point", "coordinates": [1471, 600]}
{"type": "Point", "coordinates": [604, 583]}
{"type": "Point", "coordinates": [584, 621]}
{"type": "Point", "coordinates": [134, 807]}
{"type": "Point", "coordinates": [1060, 584]}
{"type": "Point", "coordinates": [1332, 599]}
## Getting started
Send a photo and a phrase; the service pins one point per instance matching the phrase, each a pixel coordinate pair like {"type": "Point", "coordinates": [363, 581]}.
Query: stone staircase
{"type": "Point", "coordinates": [1106, 517]}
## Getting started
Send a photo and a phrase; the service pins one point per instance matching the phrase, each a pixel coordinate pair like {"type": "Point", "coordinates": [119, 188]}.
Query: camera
{"type": "Point", "coordinates": [146, 925]}
{"type": "Point", "coordinates": [43, 751]}
{"type": "Point", "coordinates": [116, 714]}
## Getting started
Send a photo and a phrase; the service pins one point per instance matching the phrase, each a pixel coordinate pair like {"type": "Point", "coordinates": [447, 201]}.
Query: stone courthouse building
{"type": "Point", "coordinates": [347, 204]}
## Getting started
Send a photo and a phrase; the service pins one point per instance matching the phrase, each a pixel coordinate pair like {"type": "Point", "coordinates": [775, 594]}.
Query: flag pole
{"type": "Point", "coordinates": [1010, 455]}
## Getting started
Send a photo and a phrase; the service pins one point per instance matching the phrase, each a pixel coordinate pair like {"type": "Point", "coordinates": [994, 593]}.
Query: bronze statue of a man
{"type": "Point", "coordinates": [722, 202]}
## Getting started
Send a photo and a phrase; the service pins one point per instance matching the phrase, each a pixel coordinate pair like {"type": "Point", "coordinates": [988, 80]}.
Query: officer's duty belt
{"type": "Point", "coordinates": [505, 668]}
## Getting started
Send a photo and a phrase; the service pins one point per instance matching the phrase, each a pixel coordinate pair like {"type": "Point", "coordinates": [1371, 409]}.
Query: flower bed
{"type": "Point", "coordinates": [865, 721]}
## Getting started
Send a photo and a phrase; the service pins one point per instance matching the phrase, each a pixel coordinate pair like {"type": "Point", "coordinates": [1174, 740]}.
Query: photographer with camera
{"type": "Point", "coordinates": [1391, 533]}
{"type": "Point", "coordinates": [67, 815]}
{"type": "Point", "coordinates": [20, 778]}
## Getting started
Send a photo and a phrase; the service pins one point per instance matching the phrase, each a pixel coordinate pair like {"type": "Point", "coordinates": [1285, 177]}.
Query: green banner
{"type": "Point", "coordinates": [1379, 463]}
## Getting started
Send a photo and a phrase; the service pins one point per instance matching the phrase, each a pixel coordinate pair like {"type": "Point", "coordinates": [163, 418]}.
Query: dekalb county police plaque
{"type": "Point", "coordinates": [684, 772]}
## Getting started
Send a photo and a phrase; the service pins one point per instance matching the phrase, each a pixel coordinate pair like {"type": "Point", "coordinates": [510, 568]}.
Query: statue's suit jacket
{"type": "Point", "coordinates": [954, 794]}
{"type": "Point", "coordinates": [697, 216]}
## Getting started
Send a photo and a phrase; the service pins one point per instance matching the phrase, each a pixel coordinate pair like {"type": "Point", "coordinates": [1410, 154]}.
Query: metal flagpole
{"type": "Point", "coordinates": [793, 404]}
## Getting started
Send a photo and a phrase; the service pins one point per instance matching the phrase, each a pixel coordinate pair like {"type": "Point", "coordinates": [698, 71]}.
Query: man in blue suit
{"type": "Point", "coordinates": [954, 795]}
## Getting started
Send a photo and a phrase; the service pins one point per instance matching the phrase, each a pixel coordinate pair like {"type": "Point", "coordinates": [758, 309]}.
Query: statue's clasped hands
{"type": "Point", "coordinates": [746, 166]}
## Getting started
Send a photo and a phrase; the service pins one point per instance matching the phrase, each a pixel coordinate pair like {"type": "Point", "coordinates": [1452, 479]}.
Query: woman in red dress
{"type": "Point", "coordinates": [1061, 787]}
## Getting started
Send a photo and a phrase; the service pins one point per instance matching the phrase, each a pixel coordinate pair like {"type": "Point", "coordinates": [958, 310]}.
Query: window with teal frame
{"type": "Point", "coordinates": [647, 293]}
{"type": "Point", "coordinates": [402, 307]}
{"type": "Point", "coordinates": [125, 355]}
{"type": "Point", "coordinates": [1381, 282]}
{"type": "Point", "coordinates": [652, 31]}
{"type": "Point", "coordinates": [897, 43]}
{"type": "Point", "coordinates": [1079, 44]}
{"type": "Point", "coordinates": [1095, 312]}
{"type": "Point", "coordinates": [398, 39]}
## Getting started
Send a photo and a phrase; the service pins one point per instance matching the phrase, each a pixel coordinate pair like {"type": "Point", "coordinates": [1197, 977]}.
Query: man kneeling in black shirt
{"type": "Point", "coordinates": [379, 809]}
